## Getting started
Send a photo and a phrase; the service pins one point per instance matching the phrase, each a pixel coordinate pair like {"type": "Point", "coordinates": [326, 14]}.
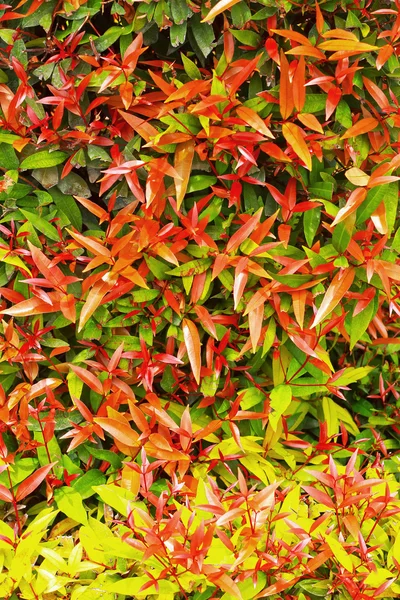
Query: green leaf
{"type": "Point", "coordinates": [68, 206]}
{"type": "Point", "coordinates": [43, 159]}
{"type": "Point", "coordinates": [108, 38]}
{"type": "Point", "coordinates": [41, 225]}
{"type": "Point", "coordinates": [373, 200]}
{"type": "Point", "coordinates": [9, 259]}
{"type": "Point", "coordinates": [359, 323]}
{"type": "Point", "coordinates": [131, 586]}
{"type": "Point", "coordinates": [200, 182]}
{"type": "Point", "coordinates": [180, 11]}
{"type": "Point", "coordinates": [190, 67]}
{"type": "Point", "coordinates": [106, 455]}
{"type": "Point", "coordinates": [9, 159]}
{"type": "Point", "coordinates": [178, 34]}
{"type": "Point", "coordinates": [343, 232]}
{"type": "Point", "coordinates": [70, 503]}
{"type": "Point", "coordinates": [84, 484]}
{"type": "Point", "coordinates": [193, 267]}
{"type": "Point", "coordinates": [247, 37]}
{"type": "Point", "coordinates": [322, 189]}
{"type": "Point", "coordinates": [202, 36]}
{"type": "Point", "coordinates": [343, 114]}
{"type": "Point", "coordinates": [352, 374]}
{"type": "Point", "coordinates": [280, 399]}
{"type": "Point", "coordinates": [391, 200]}
{"type": "Point", "coordinates": [311, 221]}
{"type": "Point", "coordinates": [74, 184]}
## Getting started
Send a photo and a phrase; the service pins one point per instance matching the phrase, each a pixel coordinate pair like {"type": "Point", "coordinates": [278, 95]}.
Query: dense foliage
{"type": "Point", "coordinates": [200, 298]}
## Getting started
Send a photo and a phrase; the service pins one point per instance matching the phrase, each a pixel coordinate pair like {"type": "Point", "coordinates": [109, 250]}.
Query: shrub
{"type": "Point", "coordinates": [199, 288]}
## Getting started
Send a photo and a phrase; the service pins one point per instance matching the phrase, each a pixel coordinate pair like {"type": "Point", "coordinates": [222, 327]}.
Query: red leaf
{"type": "Point", "coordinates": [33, 481]}
{"type": "Point", "coordinates": [5, 494]}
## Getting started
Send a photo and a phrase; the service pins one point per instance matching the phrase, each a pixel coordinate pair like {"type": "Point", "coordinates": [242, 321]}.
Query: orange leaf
{"type": "Point", "coordinates": [307, 51]}
{"type": "Point", "coordinates": [95, 296]}
{"type": "Point", "coordinates": [286, 102]}
{"type": "Point", "coordinates": [340, 34]}
{"type": "Point", "coordinates": [126, 93]}
{"type": "Point", "coordinates": [292, 35]}
{"type": "Point", "coordinates": [34, 306]}
{"type": "Point", "coordinates": [255, 325]}
{"type": "Point", "coordinates": [219, 8]}
{"type": "Point", "coordinates": [243, 74]}
{"type": "Point", "coordinates": [67, 307]}
{"type": "Point", "coordinates": [294, 136]}
{"type": "Point", "coordinates": [362, 126]}
{"type": "Point", "coordinates": [319, 18]}
{"type": "Point", "coordinates": [250, 117]}
{"type": "Point", "coordinates": [310, 121]}
{"type": "Point", "coordinates": [356, 198]}
{"type": "Point", "coordinates": [299, 306]}
{"type": "Point", "coordinates": [384, 54]}
{"type": "Point", "coordinates": [94, 208]}
{"type": "Point", "coordinates": [376, 93]}
{"type": "Point", "coordinates": [339, 286]}
{"type": "Point", "coordinates": [40, 387]}
{"type": "Point", "coordinates": [90, 244]}
{"type": "Point", "coordinates": [243, 233]}
{"type": "Point", "coordinates": [184, 154]}
{"type": "Point", "coordinates": [118, 430]}
{"type": "Point", "coordinates": [144, 129]}
{"type": "Point", "coordinates": [33, 481]}
{"type": "Point", "coordinates": [275, 152]}
{"type": "Point", "coordinates": [87, 377]}
{"type": "Point", "coordinates": [378, 218]}
{"type": "Point", "coordinates": [192, 343]}
{"type": "Point", "coordinates": [205, 319]}
{"type": "Point", "coordinates": [299, 80]}
{"type": "Point", "coordinates": [344, 45]}
{"type": "Point", "coordinates": [52, 273]}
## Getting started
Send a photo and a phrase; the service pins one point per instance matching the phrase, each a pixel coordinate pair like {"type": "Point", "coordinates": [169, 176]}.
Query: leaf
{"type": "Point", "coordinates": [41, 225]}
{"type": "Point", "coordinates": [244, 232]}
{"type": "Point", "coordinates": [339, 286]}
{"type": "Point", "coordinates": [183, 160]}
{"type": "Point", "coordinates": [5, 494]}
{"type": "Point", "coordinates": [346, 45]}
{"type": "Point", "coordinates": [352, 374]}
{"type": "Point", "coordinates": [286, 102]}
{"type": "Point", "coordinates": [362, 126]}
{"type": "Point", "coordinates": [88, 378]}
{"type": "Point", "coordinates": [250, 117]}
{"type": "Point", "coordinates": [70, 503]}
{"type": "Point", "coordinates": [357, 177]}
{"type": "Point", "coordinates": [10, 259]}
{"type": "Point", "coordinates": [32, 482]}
{"type": "Point", "coordinates": [355, 200]}
{"type": "Point", "coordinates": [294, 136]}
{"type": "Point", "coordinates": [339, 553]}
{"type": "Point", "coordinates": [310, 121]}
{"type": "Point", "coordinates": [118, 430]}
{"type": "Point", "coordinates": [219, 8]}
{"type": "Point", "coordinates": [359, 323]}
{"type": "Point", "coordinates": [43, 159]}
{"type": "Point", "coordinates": [280, 399]}
{"type": "Point", "coordinates": [299, 80]}
{"type": "Point", "coordinates": [192, 343]}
